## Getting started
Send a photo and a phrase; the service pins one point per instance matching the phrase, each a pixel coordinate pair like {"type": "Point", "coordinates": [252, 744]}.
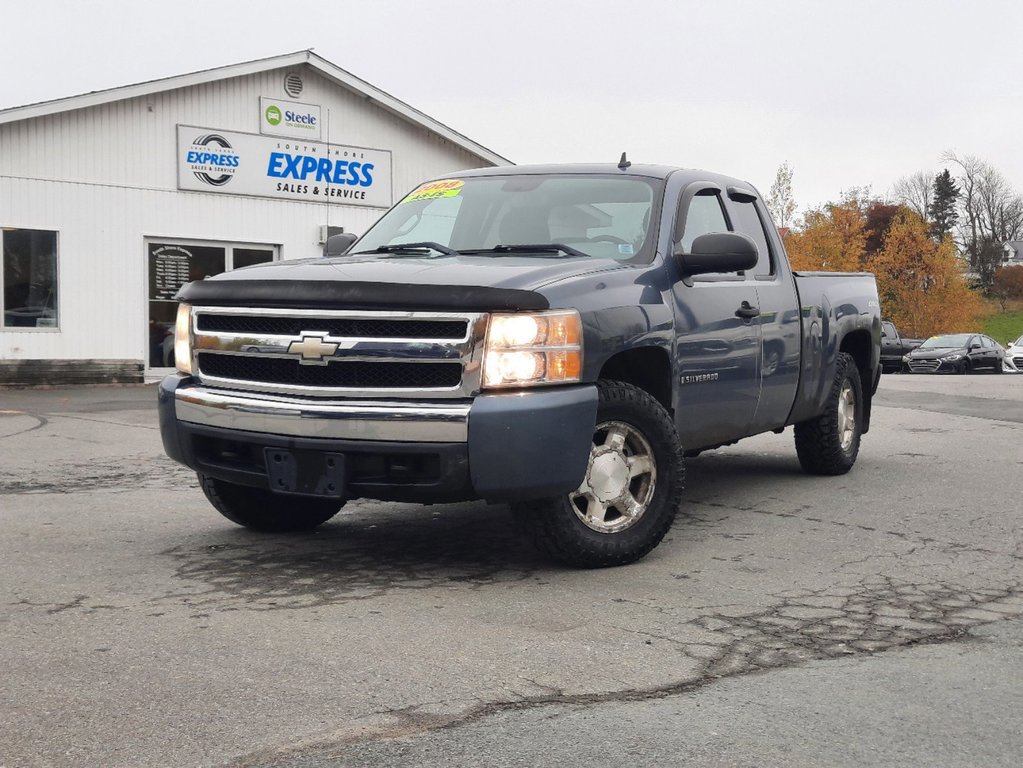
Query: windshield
{"type": "Point", "coordinates": [1017, 343]}
{"type": "Point", "coordinates": [953, 341]}
{"type": "Point", "coordinates": [597, 216]}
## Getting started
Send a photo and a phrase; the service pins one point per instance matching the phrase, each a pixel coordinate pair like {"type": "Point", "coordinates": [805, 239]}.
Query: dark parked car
{"type": "Point", "coordinates": [894, 347]}
{"type": "Point", "coordinates": [956, 353]}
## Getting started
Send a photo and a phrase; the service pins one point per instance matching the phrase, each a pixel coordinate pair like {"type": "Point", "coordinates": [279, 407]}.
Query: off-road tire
{"type": "Point", "coordinates": [819, 441]}
{"type": "Point", "coordinates": [263, 510]}
{"type": "Point", "coordinates": [554, 524]}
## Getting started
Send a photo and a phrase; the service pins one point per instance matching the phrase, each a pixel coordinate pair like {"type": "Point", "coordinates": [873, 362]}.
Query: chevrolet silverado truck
{"type": "Point", "coordinates": [556, 338]}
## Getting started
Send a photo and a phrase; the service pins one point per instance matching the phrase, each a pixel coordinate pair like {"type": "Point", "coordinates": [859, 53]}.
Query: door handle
{"type": "Point", "coordinates": [746, 312]}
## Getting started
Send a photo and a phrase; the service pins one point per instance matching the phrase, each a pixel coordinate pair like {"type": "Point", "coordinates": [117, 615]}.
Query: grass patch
{"type": "Point", "coordinates": [1004, 326]}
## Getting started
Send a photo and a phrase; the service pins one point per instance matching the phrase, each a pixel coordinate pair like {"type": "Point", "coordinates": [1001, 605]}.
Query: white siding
{"type": "Point", "coordinates": [105, 178]}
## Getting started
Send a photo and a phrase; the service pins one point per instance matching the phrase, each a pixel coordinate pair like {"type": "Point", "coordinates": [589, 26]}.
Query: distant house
{"type": "Point", "coordinates": [1013, 254]}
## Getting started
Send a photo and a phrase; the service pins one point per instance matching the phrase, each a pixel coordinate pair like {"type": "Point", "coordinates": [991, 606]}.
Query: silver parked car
{"type": "Point", "coordinates": [1014, 355]}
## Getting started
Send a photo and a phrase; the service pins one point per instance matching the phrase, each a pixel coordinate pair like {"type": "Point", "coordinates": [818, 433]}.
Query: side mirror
{"type": "Point", "coordinates": [718, 252]}
{"type": "Point", "coordinates": [338, 245]}
{"type": "Point", "coordinates": [975, 345]}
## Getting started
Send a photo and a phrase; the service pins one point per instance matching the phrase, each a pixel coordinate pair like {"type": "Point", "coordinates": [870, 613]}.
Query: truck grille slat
{"type": "Point", "coordinates": [361, 374]}
{"type": "Point", "coordinates": [334, 326]}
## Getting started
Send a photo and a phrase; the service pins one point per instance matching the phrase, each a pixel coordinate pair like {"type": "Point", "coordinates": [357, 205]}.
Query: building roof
{"type": "Point", "coordinates": [321, 65]}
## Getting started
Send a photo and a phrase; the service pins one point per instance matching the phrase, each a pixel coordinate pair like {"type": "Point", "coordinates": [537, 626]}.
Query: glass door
{"type": "Point", "coordinates": [171, 264]}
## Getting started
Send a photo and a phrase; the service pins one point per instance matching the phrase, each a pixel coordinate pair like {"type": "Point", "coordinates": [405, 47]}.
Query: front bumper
{"type": "Point", "coordinates": [497, 446]}
{"type": "Point", "coordinates": [933, 365]}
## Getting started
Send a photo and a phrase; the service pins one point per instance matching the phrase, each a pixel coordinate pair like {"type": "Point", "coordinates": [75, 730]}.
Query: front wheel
{"type": "Point", "coordinates": [829, 443]}
{"type": "Point", "coordinates": [630, 493]}
{"type": "Point", "coordinates": [263, 510]}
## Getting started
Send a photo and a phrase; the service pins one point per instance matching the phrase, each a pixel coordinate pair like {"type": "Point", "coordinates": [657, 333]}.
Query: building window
{"type": "Point", "coordinates": [28, 278]}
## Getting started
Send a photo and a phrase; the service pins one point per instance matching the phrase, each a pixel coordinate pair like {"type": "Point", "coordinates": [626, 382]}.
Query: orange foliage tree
{"type": "Point", "coordinates": [920, 281]}
{"type": "Point", "coordinates": [831, 239]}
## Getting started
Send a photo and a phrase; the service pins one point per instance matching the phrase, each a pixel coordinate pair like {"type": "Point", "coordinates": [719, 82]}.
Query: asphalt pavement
{"type": "Point", "coordinates": [787, 620]}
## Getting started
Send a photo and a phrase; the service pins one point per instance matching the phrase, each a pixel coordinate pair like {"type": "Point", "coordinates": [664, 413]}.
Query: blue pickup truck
{"type": "Point", "coordinates": [558, 338]}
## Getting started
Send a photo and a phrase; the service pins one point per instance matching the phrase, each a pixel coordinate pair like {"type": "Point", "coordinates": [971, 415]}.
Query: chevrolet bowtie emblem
{"type": "Point", "coordinates": [313, 349]}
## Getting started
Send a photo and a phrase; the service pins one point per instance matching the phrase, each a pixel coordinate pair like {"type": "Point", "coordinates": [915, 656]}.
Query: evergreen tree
{"type": "Point", "coordinates": [943, 208]}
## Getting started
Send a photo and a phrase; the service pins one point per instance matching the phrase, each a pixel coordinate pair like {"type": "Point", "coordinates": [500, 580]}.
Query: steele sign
{"type": "Point", "coordinates": [290, 118]}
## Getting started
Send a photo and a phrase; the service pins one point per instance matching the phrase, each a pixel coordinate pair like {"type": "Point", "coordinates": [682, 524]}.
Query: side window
{"type": "Point", "coordinates": [748, 222]}
{"type": "Point", "coordinates": [886, 330]}
{"type": "Point", "coordinates": [986, 342]}
{"type": "Point", "coordinates": [703, 216]}
{"type": "Point", "coordinates": [28, 278]}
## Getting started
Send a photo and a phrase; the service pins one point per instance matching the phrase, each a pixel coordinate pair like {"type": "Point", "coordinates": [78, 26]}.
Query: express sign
{"type": "Point", "coordinates": [311, 171]}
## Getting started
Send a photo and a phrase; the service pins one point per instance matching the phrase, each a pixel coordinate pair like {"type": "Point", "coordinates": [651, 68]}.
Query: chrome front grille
{"type": "Point", "coordinates": [357, 327]}
{"type": "Point", "coordinates": [924, 366]}
{"type": "Point", "coordinates": [319, 353]}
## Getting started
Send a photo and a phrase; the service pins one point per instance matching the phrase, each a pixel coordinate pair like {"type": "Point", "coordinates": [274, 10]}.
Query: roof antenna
{"type": "Point", "coordinates": [623, 163]}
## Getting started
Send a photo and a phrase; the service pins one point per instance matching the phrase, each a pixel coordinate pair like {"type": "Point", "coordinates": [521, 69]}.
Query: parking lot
{"type": "Point", "coordinates": [870, 619]}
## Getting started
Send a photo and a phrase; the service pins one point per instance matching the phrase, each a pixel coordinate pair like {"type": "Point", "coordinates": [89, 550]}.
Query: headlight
{"type": "Point", "coordinates": [951, 358]}
{"type": "Point", "coordinates": [183, 339]}
{"type": "Point", "coordinates": [533, 348]}
{"type": "Point", "coordinates": [906, 358]}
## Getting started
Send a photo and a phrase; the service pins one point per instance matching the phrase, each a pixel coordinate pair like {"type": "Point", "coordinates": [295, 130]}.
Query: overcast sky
{"type": "Point", "coordinates": [849, 93]}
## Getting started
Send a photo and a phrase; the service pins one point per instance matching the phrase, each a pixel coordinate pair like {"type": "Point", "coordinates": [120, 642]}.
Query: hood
{"type": "Point", "coordinates": [376, 281]}
{"type": "Point", "coordinates": [934, 354]}
{"type": "Point", "coordinates": [518, 272]}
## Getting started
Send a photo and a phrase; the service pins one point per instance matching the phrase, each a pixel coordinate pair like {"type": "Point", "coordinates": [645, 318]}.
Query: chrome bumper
{"type": "Point", "coordinates": [376, 420]}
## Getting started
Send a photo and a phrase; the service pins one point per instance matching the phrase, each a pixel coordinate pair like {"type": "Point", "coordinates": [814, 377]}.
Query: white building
{"type": "Point", "coordinates": [109, 201]}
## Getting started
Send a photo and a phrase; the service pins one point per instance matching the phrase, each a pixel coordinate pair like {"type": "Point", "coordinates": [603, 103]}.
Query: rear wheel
{"type": "Point", "coordinates": [263, 510]}
{"type": "Point", "coordinates": [631, 491]}
{"type": "Point", "coordinates": [829, 443]}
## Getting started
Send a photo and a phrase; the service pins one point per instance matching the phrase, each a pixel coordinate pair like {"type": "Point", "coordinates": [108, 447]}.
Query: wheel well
{"type": "Point", "coordinates": [647, 368]}
{"type": "Point", "coordinates": [858, 345]}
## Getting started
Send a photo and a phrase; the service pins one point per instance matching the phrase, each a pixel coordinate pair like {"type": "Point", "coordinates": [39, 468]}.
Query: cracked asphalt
{"type": "Point", "coordinates": [870, 619]}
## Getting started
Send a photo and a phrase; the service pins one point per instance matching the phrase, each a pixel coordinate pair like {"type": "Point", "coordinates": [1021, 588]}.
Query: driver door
{"type": "Point", "coordinates": [717, 353]}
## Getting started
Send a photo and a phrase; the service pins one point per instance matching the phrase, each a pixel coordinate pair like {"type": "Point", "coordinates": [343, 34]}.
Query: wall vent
{"type": "Point", "coordinates": [293, 85]}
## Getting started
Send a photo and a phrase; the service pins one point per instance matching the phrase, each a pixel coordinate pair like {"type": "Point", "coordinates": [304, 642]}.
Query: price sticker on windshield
{"type": "Point", "coordinates": [436, 189]}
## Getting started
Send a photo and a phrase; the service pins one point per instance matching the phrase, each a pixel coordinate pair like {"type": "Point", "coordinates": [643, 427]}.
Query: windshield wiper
{"type": "Point", "coordinates": [423, 246]}
{"type": "Point", "coordinates": [556, 248]}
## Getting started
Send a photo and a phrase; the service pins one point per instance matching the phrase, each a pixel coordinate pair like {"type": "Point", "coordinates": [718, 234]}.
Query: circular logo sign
{"type": "Point", "coordinates": [213, 159]}
{"type": "Point", "coordinates": [273, 115]}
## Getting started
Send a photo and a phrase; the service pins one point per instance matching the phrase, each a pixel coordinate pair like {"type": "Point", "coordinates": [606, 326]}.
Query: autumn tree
{"type": "Point", "coordinates": [919, 280]}
{"type": "Point", "coordinates": [942, 210]}
{"type": "Point", "coordinates": [780, 202]}
{"type": "Point", "coordinates": [877, 218]}
{"type": "Point", "coordinates": [831, 239]}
